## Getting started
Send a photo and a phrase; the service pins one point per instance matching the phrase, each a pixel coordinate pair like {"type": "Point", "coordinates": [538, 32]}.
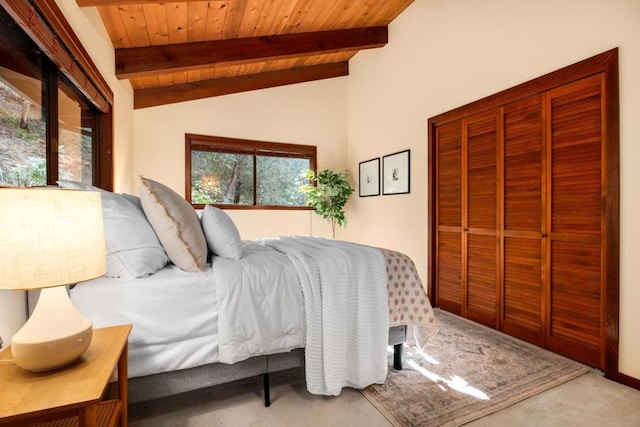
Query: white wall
{"type": "Point", "coordinates": [445, 53]}
{"type": "Point", "coordinates": [309, 113]}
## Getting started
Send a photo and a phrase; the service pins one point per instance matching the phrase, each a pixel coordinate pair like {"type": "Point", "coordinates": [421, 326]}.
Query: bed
{"type": "Point", "coordinates": [238, 309]}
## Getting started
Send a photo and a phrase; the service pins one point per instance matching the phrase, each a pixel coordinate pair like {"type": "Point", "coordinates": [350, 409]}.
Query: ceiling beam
{"type": "Point", "coordinates": [153, 60]}
{"type": "Point", "coordinates": [162, 95]}
{"type": "Point", "coordinates": [89, 3]}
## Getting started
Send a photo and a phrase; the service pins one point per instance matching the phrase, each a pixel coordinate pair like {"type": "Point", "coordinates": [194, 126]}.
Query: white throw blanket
{"type": "Point", "coordinates": [346, 311]}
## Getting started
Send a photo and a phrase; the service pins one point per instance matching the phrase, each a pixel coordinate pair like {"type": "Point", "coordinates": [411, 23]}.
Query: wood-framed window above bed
{"type": "Point", "coordinates": [56, 115]}
{"type": "Point", "coordinates": [246, 174]}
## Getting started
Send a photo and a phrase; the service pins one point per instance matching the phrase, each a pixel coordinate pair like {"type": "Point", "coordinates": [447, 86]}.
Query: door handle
{"type": "Point", "coordinates": [543, 235]}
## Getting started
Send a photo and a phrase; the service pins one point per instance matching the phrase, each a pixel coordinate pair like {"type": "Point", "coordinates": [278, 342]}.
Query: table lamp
{"type": "Point", "coordinates": [50, 238]}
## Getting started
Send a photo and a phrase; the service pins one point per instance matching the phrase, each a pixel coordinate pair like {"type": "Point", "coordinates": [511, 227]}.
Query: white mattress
{"type": "Point", "coordinates": [174, 314]}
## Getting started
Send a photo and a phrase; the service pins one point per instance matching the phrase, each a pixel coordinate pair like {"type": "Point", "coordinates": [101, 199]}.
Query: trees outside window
{"type": "Point", "coordinates": [48, 128]}
{"type": "Point", "coordinates": [235, 173]}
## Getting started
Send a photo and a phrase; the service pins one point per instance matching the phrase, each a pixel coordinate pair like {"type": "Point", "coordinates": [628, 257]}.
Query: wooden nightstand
{"type": "Point", "coordinates": [69, 396]}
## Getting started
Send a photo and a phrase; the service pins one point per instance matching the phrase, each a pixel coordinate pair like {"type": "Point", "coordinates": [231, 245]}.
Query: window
{"type": "Point", "coordinates": [23, 114]}
{"type": "Point", "coordinates": [48, 126]}
{"type": "Point", "coordinates": [76, 130]}
{"type": "Point", "coordinates": [235, 173]}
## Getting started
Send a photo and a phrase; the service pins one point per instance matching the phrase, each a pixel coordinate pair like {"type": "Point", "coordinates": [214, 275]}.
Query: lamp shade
{"type": "Point", "coordinates": [50, 237]}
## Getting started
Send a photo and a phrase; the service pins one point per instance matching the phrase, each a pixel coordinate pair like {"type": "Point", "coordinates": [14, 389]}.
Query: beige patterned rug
{"type": "Point", "coordinates": [466, 372]}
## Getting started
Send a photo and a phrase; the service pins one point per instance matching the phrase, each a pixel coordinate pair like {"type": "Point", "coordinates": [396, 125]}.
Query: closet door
{"type": "Point", "coordinates": [523, 230]}
{"type": "Point", "coordinates": [575, 216]}
{"type": "Point", "coordinates": [524, 211]}
{"type": "Point", "coordinates": [480, 218]}
{"type": "Point", "coordinates": [448, 263]}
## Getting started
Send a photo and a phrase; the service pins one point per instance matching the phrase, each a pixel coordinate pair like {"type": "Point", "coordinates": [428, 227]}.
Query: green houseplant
{"type": "Point", "coordinates": [329, 195]}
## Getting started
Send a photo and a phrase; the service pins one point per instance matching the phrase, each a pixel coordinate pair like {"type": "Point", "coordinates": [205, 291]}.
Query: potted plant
{"type": "Point", "coordinates": [327, 193]}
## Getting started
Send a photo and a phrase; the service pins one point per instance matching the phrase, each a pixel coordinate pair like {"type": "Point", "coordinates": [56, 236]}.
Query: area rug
{"type": "Point", "coordinates": [467, 371]}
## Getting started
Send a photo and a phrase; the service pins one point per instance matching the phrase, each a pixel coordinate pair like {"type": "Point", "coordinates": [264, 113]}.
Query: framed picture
{"type": "Point", "coordinates": [396, 172]}
{"type": "Point", "coordinates": [370, 178]}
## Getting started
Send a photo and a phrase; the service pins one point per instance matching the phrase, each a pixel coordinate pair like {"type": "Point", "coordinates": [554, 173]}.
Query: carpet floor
{"type": "Point", "coordinates": [466, 372]}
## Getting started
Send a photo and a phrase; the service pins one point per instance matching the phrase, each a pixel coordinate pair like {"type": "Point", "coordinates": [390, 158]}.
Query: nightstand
{"type": "Point", "coordinates": [69, 396]}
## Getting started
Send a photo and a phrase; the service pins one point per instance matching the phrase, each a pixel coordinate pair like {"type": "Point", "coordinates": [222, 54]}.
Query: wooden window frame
{"type": "Point", "coordinates": [219, 144]}
{"type": "Point", "coordinates": [46, 25]}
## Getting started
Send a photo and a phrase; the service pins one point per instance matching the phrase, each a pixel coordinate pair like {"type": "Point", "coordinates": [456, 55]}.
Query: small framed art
{"type": "Point", "coordinates": [396, 173]}
{"type": "Point", "coordinates": [370, 178]}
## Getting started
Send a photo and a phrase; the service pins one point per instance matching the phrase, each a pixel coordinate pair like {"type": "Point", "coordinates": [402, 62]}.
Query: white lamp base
{"type": "Point", "coordinates": [55, 335]}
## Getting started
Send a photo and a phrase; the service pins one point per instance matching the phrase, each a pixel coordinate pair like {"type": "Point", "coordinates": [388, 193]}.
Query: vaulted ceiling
{"type": "Point", "coordinates": [184, 50]}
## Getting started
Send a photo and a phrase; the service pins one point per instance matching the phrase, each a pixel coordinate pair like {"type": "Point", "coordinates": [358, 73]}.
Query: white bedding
{"type": "Point", "coordinates": [259, 302]}
{"type": "Point", "coordinates": [255, 306]}
{"type": "Point", "coordinates": [228, 313]}
{"type": "Point", "coordinates": [173, 313]}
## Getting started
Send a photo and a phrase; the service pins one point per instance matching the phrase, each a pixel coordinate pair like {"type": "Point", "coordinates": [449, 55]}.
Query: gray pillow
{"type": "Point", "coordinates": [133, 249]}
{"type": "Point", "coordinates": [176, 223]}
{"type": "Point", "coordinates": [223, 237]}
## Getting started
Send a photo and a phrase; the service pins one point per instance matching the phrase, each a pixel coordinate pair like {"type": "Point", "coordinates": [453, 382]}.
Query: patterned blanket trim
{"type": "Point", "coordinates": [408, 301]}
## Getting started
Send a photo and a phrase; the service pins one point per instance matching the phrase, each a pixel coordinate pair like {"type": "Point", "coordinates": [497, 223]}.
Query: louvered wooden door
{"type": "Point", "coordinates": [449, 266]}
{"type": "Point", "coordinates": [574, 214]}
{"type": "Point", "coordinates": [480, 222]}
{"type": "Point", "coordinates": [467, 234]}
{"type": "Point", "coordinates": [524, 230]}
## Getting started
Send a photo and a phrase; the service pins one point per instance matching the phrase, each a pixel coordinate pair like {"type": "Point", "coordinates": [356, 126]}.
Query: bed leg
{"type": "Point", "coordinates": [397, 357]}
{"type": "Point", "coordinates": [267, 397]}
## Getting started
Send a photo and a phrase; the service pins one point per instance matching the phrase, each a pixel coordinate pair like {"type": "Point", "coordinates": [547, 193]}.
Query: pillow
{"type": "Point", "coordinates": [74, 185]}
{"type": "Point", "coordinates": [221, 233]}
{"type": "Point", "coordinates": [133, 249]}
{"type": "Point", "coordinates": [133, 199]}
{"type": "Point", "coordinates": [176, 223]}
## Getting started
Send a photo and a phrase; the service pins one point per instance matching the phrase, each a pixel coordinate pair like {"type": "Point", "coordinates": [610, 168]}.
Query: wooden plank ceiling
{"type": "Point", "coordinates": [184, 50]}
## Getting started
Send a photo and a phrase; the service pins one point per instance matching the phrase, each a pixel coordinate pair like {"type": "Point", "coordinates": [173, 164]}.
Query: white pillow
{"type": "Point", "coordinates": [223, 237]}
{"type": "Point", "coordinates": [176, 223]}
{"type": "Point", "coordinates": [133, 249]}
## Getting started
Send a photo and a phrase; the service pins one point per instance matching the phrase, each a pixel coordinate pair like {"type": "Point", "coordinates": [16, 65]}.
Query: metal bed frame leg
{"type": "Point", "coordinates": [267, 397]}
{"type": "Point", "coordinates": [397, 357]}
